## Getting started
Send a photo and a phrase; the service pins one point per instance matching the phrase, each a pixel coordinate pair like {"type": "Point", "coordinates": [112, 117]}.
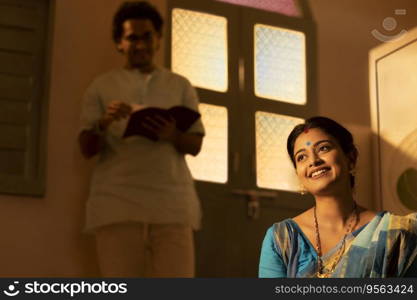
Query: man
{"type": "Point", "coordinates": [142, 205]}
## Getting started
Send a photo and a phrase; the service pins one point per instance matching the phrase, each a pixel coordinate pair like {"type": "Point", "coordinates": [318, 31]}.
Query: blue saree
{"type": "Point", "coordinates": [385, 247]}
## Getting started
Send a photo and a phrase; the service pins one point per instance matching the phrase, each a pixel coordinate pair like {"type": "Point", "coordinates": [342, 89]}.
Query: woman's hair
{"type": "Point", "coordinates": [337, 131]}
{"type": "Point", "coordinates": [135, 10]}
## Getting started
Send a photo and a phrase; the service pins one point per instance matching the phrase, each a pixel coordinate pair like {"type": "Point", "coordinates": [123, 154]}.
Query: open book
{"type": "Point", "coordinates": [183, 116]}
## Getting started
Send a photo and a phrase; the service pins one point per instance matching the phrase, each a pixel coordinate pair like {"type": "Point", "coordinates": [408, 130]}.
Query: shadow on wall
{"type": "Point", "coordinates": [386, 173]}
{"type": "Point", "coordinates": [396, 177]}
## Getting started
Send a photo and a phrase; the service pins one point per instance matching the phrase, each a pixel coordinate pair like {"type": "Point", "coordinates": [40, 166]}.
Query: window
{"type": "Point", "coordinates": [23, 39]}
{"type": "Point", "coordinates": [279, 64]}
{"type": "Point", "coordinates": [250, 68]}
{"type": "Point", "coordinates": [273, 168]}
{"type": "Point", "coordinates": [199, 48]}
{"type": "Point", "coordinates": [211, 163]}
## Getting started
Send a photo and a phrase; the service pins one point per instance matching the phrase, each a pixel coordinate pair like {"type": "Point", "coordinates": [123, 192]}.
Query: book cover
{"type": "Point", "coordinates": [184, 117]}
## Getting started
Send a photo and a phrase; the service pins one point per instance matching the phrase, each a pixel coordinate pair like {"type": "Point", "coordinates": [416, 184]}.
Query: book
{"type": "Point", "coordinates": [184, 117]}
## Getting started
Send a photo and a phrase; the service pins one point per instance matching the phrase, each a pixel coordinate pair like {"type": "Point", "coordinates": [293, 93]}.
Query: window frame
{"type": "Point", "coordinates": [32, 181]}
{"type": "Point", "coordinates": [240, 99]}
{"type": "Point", "coordinates": [255, 103]}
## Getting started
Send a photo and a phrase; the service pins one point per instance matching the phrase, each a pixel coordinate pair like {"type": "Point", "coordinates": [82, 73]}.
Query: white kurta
{"type": "Point", "coordinates": [136, 179]}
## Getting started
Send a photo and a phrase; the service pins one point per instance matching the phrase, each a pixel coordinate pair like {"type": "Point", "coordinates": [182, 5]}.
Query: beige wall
{"type": "Point", "coordinates": [41, 236]}
{"type": "Point", "coordinates": [344, 40]}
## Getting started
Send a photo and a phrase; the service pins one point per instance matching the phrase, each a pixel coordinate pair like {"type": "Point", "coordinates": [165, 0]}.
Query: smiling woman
{"type": "Point", "coordinates": [324, 143]}
{"type": "Point", "coordinates": [322, 241]}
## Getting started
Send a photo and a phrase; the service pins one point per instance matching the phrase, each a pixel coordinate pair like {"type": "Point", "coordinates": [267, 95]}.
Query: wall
{"type": "Point", "coordinates": [344, 40]}
{"type": "Point", "coordinates": [41, 236]}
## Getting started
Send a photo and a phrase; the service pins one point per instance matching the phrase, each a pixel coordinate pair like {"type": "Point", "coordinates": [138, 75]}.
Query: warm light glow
{"type": "Point", "coordinates": [280, 68]}
{"type": "Point", "coordinates": [285, 7]}
{"type": "Point", "coordinates": [397, 127]}
{"type": "Point", "coordinates": [274, 169]}
{"type": "Point", "coordinates": [199, 48]}
{"type": "Point", "coordinates": [211, 162]}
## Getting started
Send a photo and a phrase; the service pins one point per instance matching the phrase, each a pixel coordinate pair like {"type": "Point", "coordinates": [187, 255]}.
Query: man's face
{"type": "Point", "coordinates": [139, 42]}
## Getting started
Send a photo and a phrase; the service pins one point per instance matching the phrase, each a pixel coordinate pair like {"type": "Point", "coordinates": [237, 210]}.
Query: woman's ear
{"type": "Point", "coordinates": [353, 157]}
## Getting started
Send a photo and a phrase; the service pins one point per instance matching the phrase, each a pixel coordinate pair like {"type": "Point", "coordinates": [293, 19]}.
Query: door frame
{"type": "Point", "coordinates": [375, 55]}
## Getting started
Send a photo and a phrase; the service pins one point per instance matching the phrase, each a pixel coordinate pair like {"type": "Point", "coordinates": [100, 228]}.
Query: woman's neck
{"type": "Point", "coordinates": [334, 210]}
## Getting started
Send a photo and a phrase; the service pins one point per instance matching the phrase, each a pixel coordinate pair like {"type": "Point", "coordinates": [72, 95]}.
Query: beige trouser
{"type": "Point", "coordinates": [145, 250]}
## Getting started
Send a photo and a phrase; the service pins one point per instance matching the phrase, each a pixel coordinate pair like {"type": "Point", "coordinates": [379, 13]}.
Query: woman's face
{"type": "Point", "coordinates": [321, 165]}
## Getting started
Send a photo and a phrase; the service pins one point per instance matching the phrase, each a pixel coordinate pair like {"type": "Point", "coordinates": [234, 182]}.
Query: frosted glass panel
{"type": "Point", "coordinates": [285, 7]}
{"type": "Point", "coordinates": [280, 71]}
{"type": "Point", "coordinates": [274, 169]}
{"type": "Point", "coordinates": [199, 48]}
{"type": "Point", "coordinates": [211, 163]}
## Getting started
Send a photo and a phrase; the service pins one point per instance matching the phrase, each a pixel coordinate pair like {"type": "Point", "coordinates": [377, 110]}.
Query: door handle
{"type": "Point", "coordinates": [252, 196]}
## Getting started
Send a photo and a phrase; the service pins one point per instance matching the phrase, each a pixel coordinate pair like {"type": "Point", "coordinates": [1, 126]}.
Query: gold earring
{"type": "Point", "coordinates": [303, 191]}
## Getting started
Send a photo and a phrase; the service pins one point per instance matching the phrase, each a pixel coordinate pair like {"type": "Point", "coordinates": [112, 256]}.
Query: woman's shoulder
{"type": "Point", "coordinates": [409, 216]}
{"type": "Point", "coordinates": [304, 219]}
{"type": "Point", "coordinates": [283, 225]}
{"type": "Point", "coordinates": [291, 227]}
{"type": "Point", "coordinates": [392, 218]}
{"type": "Point", "coordinates": [284, 230]}
{"type": "Point", "coordinates": [365, 216]}
{"type": "Point", "coordinates": [388, 221]}
{"type": "Point", "coordinates": [407, 222]}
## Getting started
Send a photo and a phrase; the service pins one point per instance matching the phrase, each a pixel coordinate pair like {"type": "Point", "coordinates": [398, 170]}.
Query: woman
{"type": "Point", "coordinates": [336, 237]}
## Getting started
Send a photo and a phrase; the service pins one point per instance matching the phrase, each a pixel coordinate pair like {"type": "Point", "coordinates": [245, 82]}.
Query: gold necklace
{"type": "Point", "coordinates": [320, 268]}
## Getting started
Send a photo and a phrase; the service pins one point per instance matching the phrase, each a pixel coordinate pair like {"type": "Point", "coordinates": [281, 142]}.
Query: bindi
{"type": "Point", "coordinates": [308, 143]}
